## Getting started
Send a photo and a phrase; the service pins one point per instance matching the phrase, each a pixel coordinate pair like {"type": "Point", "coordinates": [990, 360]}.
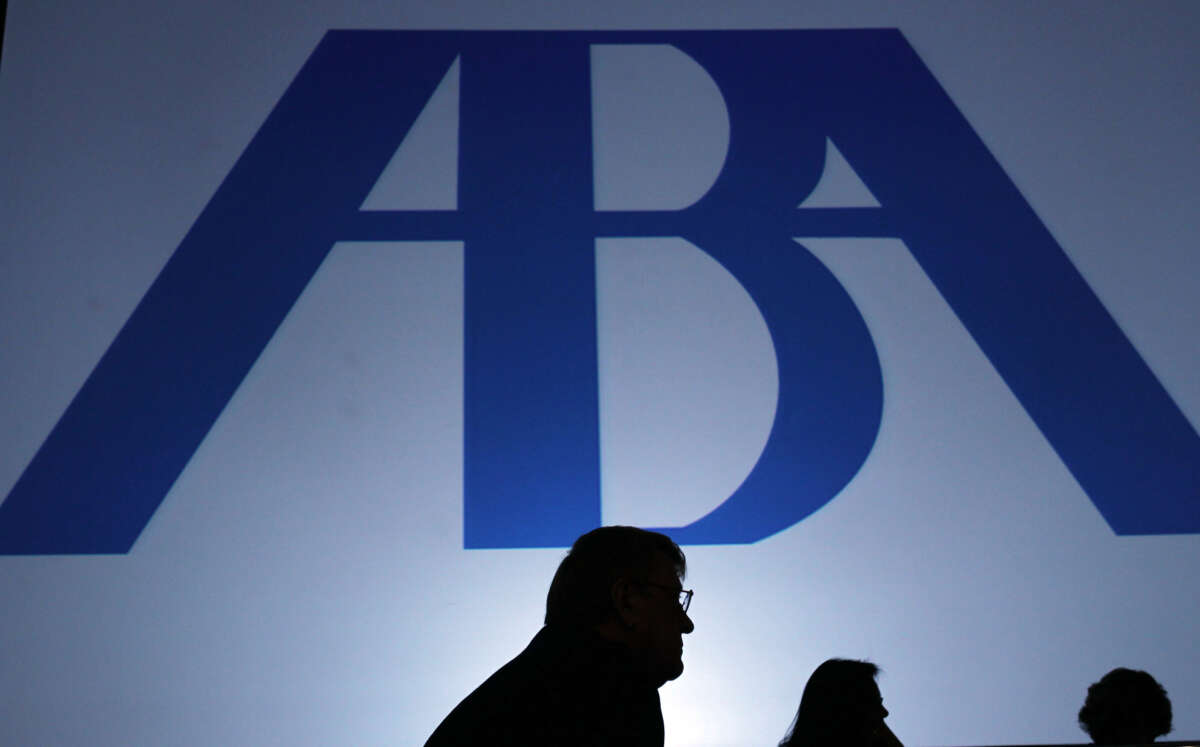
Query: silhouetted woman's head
{"type": "Point", "coordinates": [841, 707]}
{"type": "Point", "coordinates": [1127, 706]}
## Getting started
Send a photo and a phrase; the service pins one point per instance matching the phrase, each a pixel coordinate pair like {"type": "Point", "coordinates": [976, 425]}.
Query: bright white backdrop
{"type": "Point", "coordinates": [304, 582]}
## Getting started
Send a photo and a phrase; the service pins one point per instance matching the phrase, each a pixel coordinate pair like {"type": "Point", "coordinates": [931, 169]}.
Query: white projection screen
{"type": "Point", "coordinates": [323, 324]}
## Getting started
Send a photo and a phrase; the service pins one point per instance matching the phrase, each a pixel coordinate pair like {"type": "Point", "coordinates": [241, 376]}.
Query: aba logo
{"type": "Point", "coordinates": [528, 221]}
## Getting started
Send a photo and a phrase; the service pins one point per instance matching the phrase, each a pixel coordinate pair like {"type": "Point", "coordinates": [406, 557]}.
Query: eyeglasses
{"type": "Point", "coordinates": [685, 595]}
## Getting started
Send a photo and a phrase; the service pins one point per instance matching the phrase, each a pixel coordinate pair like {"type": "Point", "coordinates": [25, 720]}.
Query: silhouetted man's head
{"type": "Point", "coordinates": [624, 583]}
{"type": "Point", "coordinates": [1127, 706]}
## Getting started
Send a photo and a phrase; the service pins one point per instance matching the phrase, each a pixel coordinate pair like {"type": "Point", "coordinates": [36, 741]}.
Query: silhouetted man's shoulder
{"type": "Point", "coordinates": [567, 687]}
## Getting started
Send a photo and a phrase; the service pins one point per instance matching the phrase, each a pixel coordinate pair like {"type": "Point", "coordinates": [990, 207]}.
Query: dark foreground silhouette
{"type": "Point", "coordinates": [1127, 706]}
{"type": "Point", "coordinates": [841, 707]}
{"type": "Point", "coordinates": [615, 618]}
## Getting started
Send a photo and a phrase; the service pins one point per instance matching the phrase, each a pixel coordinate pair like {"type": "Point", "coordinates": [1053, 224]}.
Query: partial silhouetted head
{"type": "Point", "coordinates": [625, 583]}
{"type": "Point", "coordinates": [1127, 706]}
{"type": "Point", "coordinates": [841, 707]}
